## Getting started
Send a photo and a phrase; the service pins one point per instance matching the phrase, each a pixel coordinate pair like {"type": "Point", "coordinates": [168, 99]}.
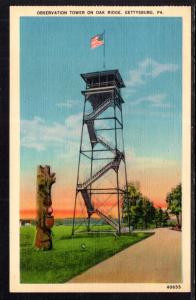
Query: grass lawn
{"type": "Point", "coordinates": [68, 258]}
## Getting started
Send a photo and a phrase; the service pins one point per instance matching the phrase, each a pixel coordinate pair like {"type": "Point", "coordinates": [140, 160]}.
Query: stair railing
{"type": "Point", "coordinates": [98, 109]}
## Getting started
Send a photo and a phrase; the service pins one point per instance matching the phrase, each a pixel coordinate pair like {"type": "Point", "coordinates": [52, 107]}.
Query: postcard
{"type": "Point", "coordinates": [100, 158]}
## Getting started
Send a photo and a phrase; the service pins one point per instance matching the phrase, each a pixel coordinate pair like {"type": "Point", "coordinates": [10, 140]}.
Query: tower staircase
{"type": "Point", "coordinates": [99, 109]}
{"type": "Point", "coordinates": [114, 164]}
{"type": "Point", "coordinates": [107, 219]}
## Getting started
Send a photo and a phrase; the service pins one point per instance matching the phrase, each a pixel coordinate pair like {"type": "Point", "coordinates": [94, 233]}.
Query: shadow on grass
{"type": "Point", "coordinates": [98, 234]}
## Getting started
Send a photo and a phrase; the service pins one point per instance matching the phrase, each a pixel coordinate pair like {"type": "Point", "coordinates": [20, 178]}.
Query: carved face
{"type": "Point", "coordinates": [44, 183]}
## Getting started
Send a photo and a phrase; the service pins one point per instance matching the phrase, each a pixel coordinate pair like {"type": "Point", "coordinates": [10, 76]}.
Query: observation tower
{"type": "Point", "coordinates": [102, 176]}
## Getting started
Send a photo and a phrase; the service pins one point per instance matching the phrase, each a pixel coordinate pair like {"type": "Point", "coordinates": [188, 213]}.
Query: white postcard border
{"type": "Point", "coordinates": [167, 11]}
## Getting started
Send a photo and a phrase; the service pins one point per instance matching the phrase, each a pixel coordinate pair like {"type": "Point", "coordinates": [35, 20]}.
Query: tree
{"type": "Point", "coordinates": [161, 217]}
{"type": "Point", "coordinates": [137, 209]}
{"type": "Point", "coordinates": [130, 209]}
{"type": "Point", "coordinates": [148, 211]}
{"type": "Point", "coordinates": [174, 202]}
{"type": "Point", "coordinates": [134, 216]}
{"type": "Point", "coordinates": [156, 218]}
{"type": "Point", "coordinates": [139, 213]}
{"type": "Point", "coordinates": [133, 190]}
{"type": "Point", "coordinates": [165, 218]}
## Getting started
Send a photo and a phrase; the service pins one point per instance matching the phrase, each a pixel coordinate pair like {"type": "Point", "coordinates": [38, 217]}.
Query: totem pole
{"type": "Point", "coordinates": [45, 220]}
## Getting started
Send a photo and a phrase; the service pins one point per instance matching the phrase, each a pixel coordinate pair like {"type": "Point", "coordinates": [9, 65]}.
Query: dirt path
{"type": "Point", "coordinates": [156, 259]}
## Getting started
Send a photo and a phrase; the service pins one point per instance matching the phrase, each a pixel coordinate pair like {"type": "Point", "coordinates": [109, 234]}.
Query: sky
{"type": "Point", "coordinates": [53, 53]}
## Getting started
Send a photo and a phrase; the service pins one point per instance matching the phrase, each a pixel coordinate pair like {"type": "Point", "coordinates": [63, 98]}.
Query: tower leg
{"type": "Point", "coordinates": [118, 198]}
{"type": "Point", "coordinates": [117, 179]}
{"type": "Point", "coordinates": [81, 138]}
{"type": "Point", "coordinates": [73, 224]}
{"type": "Point", "coordinates": [89, 220]}
{"type": "Point", "coordinates": [126, 180]}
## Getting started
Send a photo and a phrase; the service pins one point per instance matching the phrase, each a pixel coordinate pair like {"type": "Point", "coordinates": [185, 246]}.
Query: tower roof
{"type": "Point", "coordinates": [103, 78]}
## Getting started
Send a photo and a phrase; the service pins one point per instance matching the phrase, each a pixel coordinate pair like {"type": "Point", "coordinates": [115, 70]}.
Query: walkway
{"type": "Point", "coordinates": [156, 259]}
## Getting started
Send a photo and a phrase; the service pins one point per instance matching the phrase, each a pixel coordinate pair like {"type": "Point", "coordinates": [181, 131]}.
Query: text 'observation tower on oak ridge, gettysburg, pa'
{"type": "Point", "coordinates": [102, 177]}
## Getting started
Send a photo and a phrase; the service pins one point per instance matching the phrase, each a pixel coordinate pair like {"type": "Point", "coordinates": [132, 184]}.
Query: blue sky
{"type": "Point", "coordinates": [53, 53]}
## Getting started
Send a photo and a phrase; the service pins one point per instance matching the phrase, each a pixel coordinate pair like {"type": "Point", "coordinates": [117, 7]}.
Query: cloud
{"type": "Point", "coordinates": [156, 100]}
{"type": "Point", "coordinates": [74, 122]}
{"type": "Point", "coordinates": [67, 103]}
{"type": "Point", "coordinates": [38, 135]}
{"type": "Point", "coordinates": [148, 69]}
{"type": "Point", "coordinates": [60, 138]}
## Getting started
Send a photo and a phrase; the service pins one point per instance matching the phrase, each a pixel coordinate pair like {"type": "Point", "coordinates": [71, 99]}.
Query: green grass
{"type": "Point", "coordinates": [67, 258]}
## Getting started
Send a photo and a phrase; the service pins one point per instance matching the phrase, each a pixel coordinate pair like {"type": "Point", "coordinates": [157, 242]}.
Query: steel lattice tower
{"type": "Point", "coordinates": [103, 95]}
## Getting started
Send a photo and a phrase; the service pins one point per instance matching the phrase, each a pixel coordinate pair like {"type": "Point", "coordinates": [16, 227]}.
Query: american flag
{"type": "Point", "coordinates": [97, 41]}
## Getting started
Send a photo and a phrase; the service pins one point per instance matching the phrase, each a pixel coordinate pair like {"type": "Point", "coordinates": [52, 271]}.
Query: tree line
{"type": "Point", "coordinates": [139, 211]}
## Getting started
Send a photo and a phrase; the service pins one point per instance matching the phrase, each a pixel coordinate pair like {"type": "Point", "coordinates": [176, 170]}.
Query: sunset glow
{"type": "Point", "coordinates": [51, 103]}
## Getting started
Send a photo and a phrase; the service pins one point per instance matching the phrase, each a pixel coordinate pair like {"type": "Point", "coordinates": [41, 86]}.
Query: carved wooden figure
{"type": "Point", "coordinates": [45, 220]}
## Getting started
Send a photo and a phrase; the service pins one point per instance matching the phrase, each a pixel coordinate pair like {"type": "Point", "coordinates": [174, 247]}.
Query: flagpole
{"type": "Point", "coordinates": [104, 50]}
